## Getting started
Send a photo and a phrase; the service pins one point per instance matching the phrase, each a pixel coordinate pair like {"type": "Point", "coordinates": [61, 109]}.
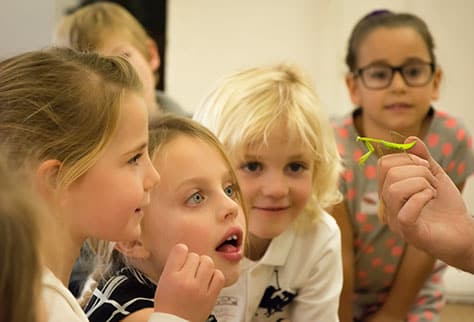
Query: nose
{"type": "Point", "coordinates": [230, 208]}
{"type": "Point", "coordinates": [151, 177]}
{"type": "Point", "coordinates": [275, 185]}
{"type": "Point", "coordinates": [398, 82]}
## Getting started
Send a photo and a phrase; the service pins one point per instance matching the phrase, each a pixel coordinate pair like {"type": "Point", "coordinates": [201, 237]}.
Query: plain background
{"type": "Point", "coordinates": [208, 39]}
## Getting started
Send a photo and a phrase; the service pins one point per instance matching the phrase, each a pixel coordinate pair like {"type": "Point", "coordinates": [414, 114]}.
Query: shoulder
{"type": "Point", "coordinates": [321, 232]}
{"type": "Point", "coordinates": [450, 143]}
{"type": "Point", "coordinates": [447, 124]}
{"type": "Point", "coordinates": [60, 303]}
{"type": "Point", "coordinates": [169, 105]}
{"type": "Point", "coordinates": [119, 296]}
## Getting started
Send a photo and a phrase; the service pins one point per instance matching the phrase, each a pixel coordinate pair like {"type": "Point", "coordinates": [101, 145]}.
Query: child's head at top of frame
{"type": "Point", "coordinates": [109, 29]}
{"type": "Point", "coordinates": [20, 238]}
{"type": "Point", "coordinates": [75, 126]}
{"type": "Point", "coordinates": [197, 202]}
{"type": "Point", "coordinates": [393, 72]}
{"type": "Point", "coordinates": [280, 143]}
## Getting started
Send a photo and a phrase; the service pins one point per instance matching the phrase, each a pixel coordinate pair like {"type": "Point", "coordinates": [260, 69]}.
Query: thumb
{"type": "Point", "coordinates": [420, 150]}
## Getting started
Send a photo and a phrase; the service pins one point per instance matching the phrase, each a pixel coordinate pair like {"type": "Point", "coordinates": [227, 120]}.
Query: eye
{"type": "Point", "coordinates": [252, 166]}
{"type": "Point", "coordinates": [296, 167]}
{"type": "Point", "coordinates": [413, 71]}
{"type": "Point", "coordinates": [378, 72]}
{"type": "Point", "coordinates": [230, 191]}
{"type": "Point", "coordinates": [134, 160]}
{"type": "Point", "coordinates": [196, 198]}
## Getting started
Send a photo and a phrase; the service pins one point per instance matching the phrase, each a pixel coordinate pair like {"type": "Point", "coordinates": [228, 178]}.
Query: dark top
{"type": "Point", "coordinates": [124, 293]}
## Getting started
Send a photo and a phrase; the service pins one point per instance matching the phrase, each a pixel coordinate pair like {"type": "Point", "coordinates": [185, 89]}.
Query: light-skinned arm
{"type": "Point", "coordinates": [425, 206]}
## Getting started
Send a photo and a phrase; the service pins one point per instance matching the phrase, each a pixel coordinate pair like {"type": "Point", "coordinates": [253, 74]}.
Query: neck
{"type": "Point", "coordinates": [60, 260]}
{"type": "Point", "coordinates": [257, 247]}
{"type": "Point", "coordinates": [146, 267]}
{"type": "Point", "coordinates": [373, 130]}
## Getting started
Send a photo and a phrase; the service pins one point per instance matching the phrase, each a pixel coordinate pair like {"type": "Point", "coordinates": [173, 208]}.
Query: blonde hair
{"type": "Point", "coordinates": [20, 269]}
{"type": "Point", "coordinates": [63, 105]}
{"type": "Point", "coordinates": [88, 28]}
{"type": "Point", "coordinates": [244, 107]}
{"type": "Point", "coordinates": [162, 131]}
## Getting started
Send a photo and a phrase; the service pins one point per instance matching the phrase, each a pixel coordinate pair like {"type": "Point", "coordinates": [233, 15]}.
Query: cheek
{"type": "Point", "coordinates": [371, 100]}
{"type": "Point", "coordinates": [195, 232]}
{"type": "Point", "coordinates": [302, 192]}
{"type": "Point", "coordinates": [248, 187]}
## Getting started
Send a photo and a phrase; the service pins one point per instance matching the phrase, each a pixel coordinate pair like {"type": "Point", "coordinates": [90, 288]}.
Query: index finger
{"type": "Point", "coordinates": [176, 258]}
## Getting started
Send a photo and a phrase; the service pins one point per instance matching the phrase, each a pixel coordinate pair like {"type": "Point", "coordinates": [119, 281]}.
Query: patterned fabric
{"type": "Point", "coordinates": [124, 293]}
{"type": "Point", "coordinates": [378, 251]}
{"type": "Point", "coordinates": [299, 278]}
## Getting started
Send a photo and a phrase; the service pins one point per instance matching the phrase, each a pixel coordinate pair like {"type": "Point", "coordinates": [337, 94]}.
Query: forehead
{"type": "Point", "coordinates": [281, 140]}
{"type": "Point", "coordinates": [132, 125]}
{"type": "Point", "coordinates": [392, 45]}
{"type": "Point", "coordinates": [186, 155]}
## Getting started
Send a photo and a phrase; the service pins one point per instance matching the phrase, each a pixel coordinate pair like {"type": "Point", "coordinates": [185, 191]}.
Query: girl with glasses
{"type": "Point", "coordinates": [393, 79]}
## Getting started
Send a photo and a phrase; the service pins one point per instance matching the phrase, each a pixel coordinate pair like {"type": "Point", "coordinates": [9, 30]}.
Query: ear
{"type": "Point", "coordinates": [353, 87]}
{"type": "Point", "coordinates": [46, 178]}
{"type": "Point", "coordinates": [133, 249]}
{"type": "Point", "coordinates": [438, 76]}
{"type": "Point", "coordinates": [153, 54]}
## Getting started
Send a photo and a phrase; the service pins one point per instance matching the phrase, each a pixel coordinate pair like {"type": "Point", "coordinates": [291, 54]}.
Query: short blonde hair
{"type": "Point", "coordinates": [62, 105]}
{"type": "Point", "coordinates": [88, 28]}
{"type": "Point", "coordinates": [244, 108]}
{"type": "Point", "coordinates": [21, 265]}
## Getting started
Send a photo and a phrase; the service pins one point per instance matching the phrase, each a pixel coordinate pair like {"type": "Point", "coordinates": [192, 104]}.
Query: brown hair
{"type": "Point", "coordinates": [88, 28]}
{"type": "Point", "coordinates": [20, 269]}
{"type": "Point", "coordinates": [385, 19]}
{"type": "Point", "coordinates": [63, 105]}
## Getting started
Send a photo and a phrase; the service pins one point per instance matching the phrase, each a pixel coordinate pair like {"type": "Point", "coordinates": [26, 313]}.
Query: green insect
{"type": "Point", "coordinates": [390, 145]}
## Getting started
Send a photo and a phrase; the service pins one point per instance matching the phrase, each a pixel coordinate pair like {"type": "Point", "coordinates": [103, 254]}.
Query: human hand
{"type": "Point", "coordinates": [422, 203]}
{"type": "Point", "coordinates": [188, 286]}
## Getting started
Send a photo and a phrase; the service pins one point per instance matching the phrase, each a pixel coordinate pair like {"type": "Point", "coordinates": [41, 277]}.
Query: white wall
{"type": "Point", "coordinates": [210, 38]}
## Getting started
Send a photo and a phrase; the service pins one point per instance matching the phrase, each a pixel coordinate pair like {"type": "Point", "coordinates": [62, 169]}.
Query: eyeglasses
{"type": "Point", "coordinates": [380, 76]}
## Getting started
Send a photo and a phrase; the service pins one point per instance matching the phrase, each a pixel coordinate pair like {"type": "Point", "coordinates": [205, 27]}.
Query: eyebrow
{"type": "Point", "coordinates": [411, 59]}
{"type": "Point", "coordinates": [291, 157]}
{"type": "Point", "coordinates": [140, 147]}
{"type": "Point", "coordinates": [202, 180]}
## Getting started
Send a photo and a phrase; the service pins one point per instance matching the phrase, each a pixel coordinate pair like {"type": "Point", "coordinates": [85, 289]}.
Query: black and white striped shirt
{"type": "Point", "coordinates": [124, 293]}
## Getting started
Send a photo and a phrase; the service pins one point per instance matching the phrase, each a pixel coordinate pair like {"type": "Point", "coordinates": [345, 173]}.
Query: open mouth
{"type": "Point", "coordinates": [231, 243]}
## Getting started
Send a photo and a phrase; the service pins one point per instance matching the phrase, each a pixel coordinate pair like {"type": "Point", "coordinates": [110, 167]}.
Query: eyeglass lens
{"type": "Point", "coordinates": [380, 76]}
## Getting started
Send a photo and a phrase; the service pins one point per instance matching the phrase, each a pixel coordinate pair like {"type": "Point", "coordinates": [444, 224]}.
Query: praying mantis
{"type": "Point", "coordinates": [390, 145]}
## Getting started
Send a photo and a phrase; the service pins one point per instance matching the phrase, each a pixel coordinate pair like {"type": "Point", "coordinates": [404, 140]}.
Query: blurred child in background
{"type": "Point", "coordinates": [393, 79]}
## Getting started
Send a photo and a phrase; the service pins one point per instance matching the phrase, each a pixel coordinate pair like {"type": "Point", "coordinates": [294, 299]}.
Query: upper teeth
{"type": "Point", "coordinates": [233, 237]}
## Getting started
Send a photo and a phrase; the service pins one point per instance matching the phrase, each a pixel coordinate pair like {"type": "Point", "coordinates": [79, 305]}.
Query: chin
{"type": "Point", "coordinates": [231, 277]}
